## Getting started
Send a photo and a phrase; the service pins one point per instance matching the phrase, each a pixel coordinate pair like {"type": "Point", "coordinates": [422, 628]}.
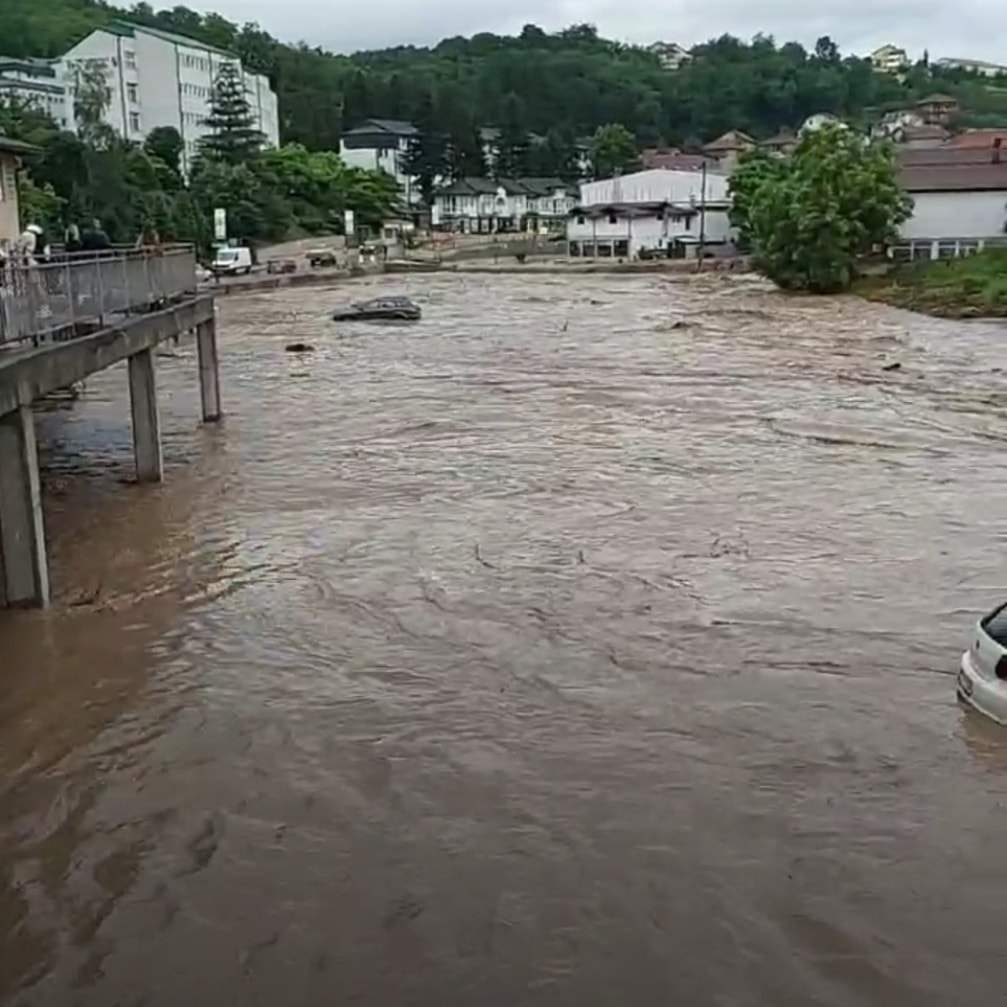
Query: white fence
{"type": "Point", "coordinates": [941, 248]}
{"type": "Point", "coordinates": [81, 292]}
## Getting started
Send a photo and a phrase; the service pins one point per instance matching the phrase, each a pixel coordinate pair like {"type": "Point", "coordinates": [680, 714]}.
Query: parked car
{"type": "Point", "coordinates": [232, 261]}
{"type": "Point", "coordinates": [982, 678]}
{"type": "Point", "coordinates": [319, 257]}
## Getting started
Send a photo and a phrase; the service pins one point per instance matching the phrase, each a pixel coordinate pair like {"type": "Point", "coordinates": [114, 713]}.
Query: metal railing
{"type": "Point", "coordinates": [78, 293]}
{"type": "Point", "coordinates": [941, 248]}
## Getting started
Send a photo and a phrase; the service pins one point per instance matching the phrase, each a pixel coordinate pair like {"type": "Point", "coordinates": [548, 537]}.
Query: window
{"type": "Point", "coordinates": [612, 218]}
{"type": "Point", "coordinates": [134, 122]}
{"type": "Point", "coordinates": [580, 219]}
{"type": "Point", "coordinates": [130, 58]}
{"type": "Point", "coordinates": [996, 626]}
{"type": "Point", "coordinates": [131, 93]}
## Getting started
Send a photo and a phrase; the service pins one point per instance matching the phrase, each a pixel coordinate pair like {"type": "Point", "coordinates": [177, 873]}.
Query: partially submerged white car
{"type": "Point", "coordinates": [982, 680]}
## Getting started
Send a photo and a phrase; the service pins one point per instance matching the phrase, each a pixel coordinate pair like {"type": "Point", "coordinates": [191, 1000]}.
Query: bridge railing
{"type": "Point", "coordinates": [57, 299]}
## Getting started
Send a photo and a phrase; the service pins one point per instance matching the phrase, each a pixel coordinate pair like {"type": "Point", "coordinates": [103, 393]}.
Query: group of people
{"type": "Point", "coordinates": [33, 245]}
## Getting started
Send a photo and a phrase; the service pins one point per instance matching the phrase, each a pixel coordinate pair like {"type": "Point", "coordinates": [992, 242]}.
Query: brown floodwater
{"type": "Point", "coordinates": [591, 642]}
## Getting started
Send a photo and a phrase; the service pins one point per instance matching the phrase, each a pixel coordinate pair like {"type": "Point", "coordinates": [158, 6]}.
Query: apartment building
{"type": "Point", "coordinates": [156, 78]}
{"type": "Point", "coordinates": [37, 83]}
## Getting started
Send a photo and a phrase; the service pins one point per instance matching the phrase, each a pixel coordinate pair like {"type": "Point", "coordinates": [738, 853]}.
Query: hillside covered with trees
{"type": "Point", "coordinates": [566, 84]}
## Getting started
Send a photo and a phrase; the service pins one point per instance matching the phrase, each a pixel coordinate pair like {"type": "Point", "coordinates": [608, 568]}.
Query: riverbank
{"type": "Point", "coordinates": [973, 287]}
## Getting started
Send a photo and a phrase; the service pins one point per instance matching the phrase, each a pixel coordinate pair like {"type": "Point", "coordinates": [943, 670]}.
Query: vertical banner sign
{"type": "Point", "coordinates": [220, 224]}
{"type": "Point", "coordinates": [350, 223]}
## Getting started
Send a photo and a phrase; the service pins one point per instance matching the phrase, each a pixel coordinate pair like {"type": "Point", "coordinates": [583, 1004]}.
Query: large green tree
{"type": "Point", "coordinates": [613, 151]}
{"type": "Point", "coordinates": [811, 218]}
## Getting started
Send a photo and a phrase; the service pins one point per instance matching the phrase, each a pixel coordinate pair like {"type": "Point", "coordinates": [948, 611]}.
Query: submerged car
{"type": "Point", "coordinates": [982, 678]}
{"type": "Point", "coordinates": [392, 309]}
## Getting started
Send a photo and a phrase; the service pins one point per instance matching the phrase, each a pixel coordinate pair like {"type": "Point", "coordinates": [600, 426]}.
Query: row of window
{"type": "Point", "coordinates": [196, 90]}
{"type": "Point", "coordinates": [196, 62]}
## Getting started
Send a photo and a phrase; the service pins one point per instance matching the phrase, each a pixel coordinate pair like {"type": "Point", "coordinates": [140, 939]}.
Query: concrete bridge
{"type": "Point", "coordinates": [60, 322]}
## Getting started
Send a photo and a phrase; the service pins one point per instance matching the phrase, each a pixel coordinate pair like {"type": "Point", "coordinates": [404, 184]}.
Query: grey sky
{"type": "Point", "coordinates": [974, 28]}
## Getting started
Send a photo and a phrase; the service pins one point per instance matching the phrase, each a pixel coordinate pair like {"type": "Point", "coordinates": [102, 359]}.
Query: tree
{"type": "Point", "coordinates": [512, 145]}
{"type": "Point", "coordinates": [165, 143]}
{"type": "Point", "coordinates": [426, 159]}
{"type": "Point", "coordinates": [233, 136]}
{"type": "Point", "coordinates": [826, 50]}
{"type": "Point", "coordinates": [835, 199]}
{"type": "Point", "coordinates": [556, 156]}
{"type": "Point", "coordinates": [755, 168]}
{"type": "Point", "coordinates": [613, 151]}
{"type": "Point", "coordinates": [92, 95]}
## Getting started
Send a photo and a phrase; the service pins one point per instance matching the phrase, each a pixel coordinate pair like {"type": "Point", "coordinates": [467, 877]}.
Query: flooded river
{"type": "Point", "coordinates": [589, 643]}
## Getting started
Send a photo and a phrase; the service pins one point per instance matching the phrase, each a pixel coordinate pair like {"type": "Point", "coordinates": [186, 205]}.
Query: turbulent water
{"type": "Point", "coordinates": [591, 642]}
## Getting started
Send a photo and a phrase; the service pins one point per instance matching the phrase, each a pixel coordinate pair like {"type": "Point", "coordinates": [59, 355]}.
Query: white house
{"type": "Point", "coordinates": [957, 193]}
{"type": "Point", "coordinates": [671, 55]}
{"type": "Point", "coordinates": [651, 213]}
{"type": "Point", "coordinates": [491, 206]}
{"type": "Point", "coordinates": [382, 145]}
{"type": "Point", "coordinates": [889, 59]}
{"type": "Point", "coordinates": [36, 83]}
{"type": "Point", "coordinates": [973, 66]}
{"type": "Point", "coordinates": [157, 78]}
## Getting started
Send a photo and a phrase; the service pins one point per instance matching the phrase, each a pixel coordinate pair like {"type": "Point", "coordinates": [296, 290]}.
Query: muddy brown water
{"type": "Point", "coordinates": [590, 642]}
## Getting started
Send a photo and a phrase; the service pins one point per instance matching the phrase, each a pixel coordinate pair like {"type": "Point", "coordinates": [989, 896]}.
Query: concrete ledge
{"type": "Point", "coordinates": [27, 374]}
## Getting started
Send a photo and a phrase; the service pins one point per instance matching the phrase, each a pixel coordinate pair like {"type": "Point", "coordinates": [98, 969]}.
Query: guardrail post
{"type": "Point", "coordinates": [24, 572]}
{"type": "Point", "coordinates": [209, 370]}
{"type": "Point", "coordinates": [146, 421]}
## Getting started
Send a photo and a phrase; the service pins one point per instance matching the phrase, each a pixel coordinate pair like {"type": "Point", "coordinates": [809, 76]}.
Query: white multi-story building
{"type": "Point", "coordinates": [382, 145]}
{"type": "Point", "coordinates": [889, 59]}
{"type": "Point", "coordinates": [490, 206]}
{"type": "Point", "coordinates": [37, 83]}
{"type": "Point", "coordinates": [156, 78]}
{"type": "Point", "coordinates": [652, 213]}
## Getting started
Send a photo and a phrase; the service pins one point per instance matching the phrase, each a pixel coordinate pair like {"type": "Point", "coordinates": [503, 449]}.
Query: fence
{"type": "Point", "coordinates": [941, 248]}
{"type": "Point", "coordinates": [78, 293]}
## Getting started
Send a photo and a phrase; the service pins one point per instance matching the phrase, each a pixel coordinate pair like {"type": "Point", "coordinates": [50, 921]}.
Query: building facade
{"type": "Point", "coordinates": [505, 205]}
{"type": "Point", "coordinates": [671, 55]}
{"type": "Point", "coordinates": [656, 213]}
{"type": "Point", "coordinates": [728, 148]}
{"type": "Point", "coordinates": [382, 145]}
{"type": "Point", "coordinates": [157, 78]}
{"type": "Point", "coordinates": [889, 59]}
{"type": "Point", "coordinates": [37, 83]}
{"type": "Point", "coordinates": [957, 194]}
{"type": "Point", "coordinates": [10, 160]}
{"type": "Point", "coordinates": [973, 66]}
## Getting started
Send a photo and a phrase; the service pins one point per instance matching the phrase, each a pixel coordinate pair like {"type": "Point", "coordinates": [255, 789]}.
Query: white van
{"type": "Point", "coordinates": [232, 261]}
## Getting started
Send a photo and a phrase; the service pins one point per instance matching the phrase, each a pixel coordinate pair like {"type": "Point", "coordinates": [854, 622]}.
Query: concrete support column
{"type": "Point", "coordinates": [24, 572]}
{"type": "Point", "coordinates": [146, 421]}
{"type": "Point", "coordinates": [209, 371]}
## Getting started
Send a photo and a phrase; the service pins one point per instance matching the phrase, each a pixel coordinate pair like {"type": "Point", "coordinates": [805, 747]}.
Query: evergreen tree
{"type": "Point", "coordinates": [233, 136]}
{"type": "Point", "coordinates": [513, 144]}
{"type": "Point", "coordinates": [426, 159]}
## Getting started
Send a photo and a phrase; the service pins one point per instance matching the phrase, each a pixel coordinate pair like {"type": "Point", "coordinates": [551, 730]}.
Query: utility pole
{"type": "Point", "coordinates": [702, 219]}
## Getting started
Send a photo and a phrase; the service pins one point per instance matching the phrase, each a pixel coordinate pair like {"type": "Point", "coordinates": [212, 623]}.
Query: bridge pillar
{"type": "Point", "coordinates": [24, 571]}
{"type": "Point", "coordinates": [146, 421]}
{"type": "Point", "coordinates": [209, 370]}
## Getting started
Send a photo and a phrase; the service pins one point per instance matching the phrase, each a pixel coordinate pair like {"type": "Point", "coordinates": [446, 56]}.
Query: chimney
{"type": "Point", "coordinates": [996, 149]}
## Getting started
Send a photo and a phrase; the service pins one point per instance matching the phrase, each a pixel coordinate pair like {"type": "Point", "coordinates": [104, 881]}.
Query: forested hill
{"type": "Point", "coordinates": [571, 82]}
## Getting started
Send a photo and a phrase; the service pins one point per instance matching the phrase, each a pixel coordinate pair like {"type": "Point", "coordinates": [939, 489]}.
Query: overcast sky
{"type": "Point", "coordinates": [975, 28]}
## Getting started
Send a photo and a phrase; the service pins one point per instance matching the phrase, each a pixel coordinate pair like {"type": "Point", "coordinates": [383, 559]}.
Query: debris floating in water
{"type": "Point", "coordinates": [299, 348]}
